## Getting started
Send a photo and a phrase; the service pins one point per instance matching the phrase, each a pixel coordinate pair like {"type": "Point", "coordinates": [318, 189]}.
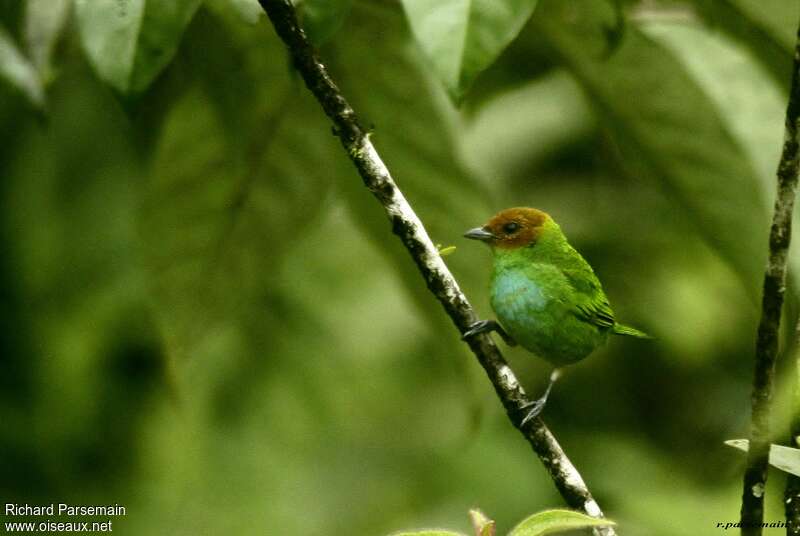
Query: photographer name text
{"type": "Point", "coordinates": [63, 509]}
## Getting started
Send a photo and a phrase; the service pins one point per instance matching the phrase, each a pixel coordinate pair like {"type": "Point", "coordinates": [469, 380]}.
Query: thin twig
{"type": "Point", "coordinates": [755, 475]}
{"type": "Point", "coordinates": [408, 227]}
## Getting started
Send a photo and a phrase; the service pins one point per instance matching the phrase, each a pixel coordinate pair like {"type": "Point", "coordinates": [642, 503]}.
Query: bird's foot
{"type": "Point", "coordinates": [535, 410]}
{"type": "Point", "coordinates": [536, 406]}
{"type": "Point", "coordinates": [487, 326]}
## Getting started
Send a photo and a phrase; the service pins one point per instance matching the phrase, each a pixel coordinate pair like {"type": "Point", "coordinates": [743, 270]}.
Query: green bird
{"type": "Point", "coordinates": [546, 296]}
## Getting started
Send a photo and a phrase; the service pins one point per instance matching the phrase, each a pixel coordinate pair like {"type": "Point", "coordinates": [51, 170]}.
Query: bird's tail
{"type": "Point", "coordinates": [620, 329]}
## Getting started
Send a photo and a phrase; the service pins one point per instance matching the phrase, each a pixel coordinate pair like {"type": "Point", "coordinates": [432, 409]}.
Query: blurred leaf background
{"type": "Point", "coordinates": [205, 317]}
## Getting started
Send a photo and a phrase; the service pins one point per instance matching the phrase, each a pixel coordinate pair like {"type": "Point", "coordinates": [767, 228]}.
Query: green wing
{"type": "Point", "coordinates": [591, 304]}
{"type": "Point", "coordinates": [596, 312]}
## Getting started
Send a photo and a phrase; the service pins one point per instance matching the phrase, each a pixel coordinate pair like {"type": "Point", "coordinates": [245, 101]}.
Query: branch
{"type": "Point", "coordinates": [755, 475]}
{"type": "Point", "coordinates": [791, 495]}
{"type": "Point", "coordinates": [408, 227]}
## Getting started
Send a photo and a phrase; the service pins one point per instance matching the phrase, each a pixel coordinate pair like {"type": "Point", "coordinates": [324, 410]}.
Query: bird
{"type": "Point", "coordinates": [545, 295]}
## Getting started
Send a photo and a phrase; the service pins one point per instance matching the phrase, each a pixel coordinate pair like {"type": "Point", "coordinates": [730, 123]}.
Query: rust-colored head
{"type": "Point", "coordinates": [511, 228]}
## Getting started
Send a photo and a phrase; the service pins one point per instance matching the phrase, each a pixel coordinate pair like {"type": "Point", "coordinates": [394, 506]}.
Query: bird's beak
{"type": "Point", "coordinates": [479, 233]}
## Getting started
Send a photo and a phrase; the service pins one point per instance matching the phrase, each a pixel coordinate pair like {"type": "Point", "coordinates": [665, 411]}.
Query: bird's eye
{"type": "Point", "coordinates": [511, 227]}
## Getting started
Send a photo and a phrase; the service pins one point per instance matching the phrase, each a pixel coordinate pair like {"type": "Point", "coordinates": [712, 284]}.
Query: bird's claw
{"type": "Point", "coordinates": [535, 410]}
{"type": "Point", "coordinates": [536, 406]}
{"type": "Point", "coordinates": [481, 326]}
{"type": "Point", "coordinates": [486, 326]}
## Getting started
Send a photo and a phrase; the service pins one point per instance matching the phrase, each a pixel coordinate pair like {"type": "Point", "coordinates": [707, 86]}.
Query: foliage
{"type": "Point", "coordinates": [18, 71]}
{"type": "Point", "coordinates": [539, 524]}
{"type": "Point", "coordinates": [207, 319]}
{"type": "Point", "coordinates": [461, 39]}
{"type": "Point", "coordinates": [553, 521]}
{"type": "Point", "coordinates": [128, 42]}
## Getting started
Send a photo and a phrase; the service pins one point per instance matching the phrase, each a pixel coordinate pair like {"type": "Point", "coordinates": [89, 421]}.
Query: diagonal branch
{"type": "Point", "coordinates": [408, 227]}
{"type": "Point", "coordinates": [791, 494]}
{"type": "Point", "coordinates": [755, 475]}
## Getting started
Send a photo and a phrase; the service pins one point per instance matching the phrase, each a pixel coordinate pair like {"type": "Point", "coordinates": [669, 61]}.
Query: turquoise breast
{"type": "Point", "coordinates": [533, 305]}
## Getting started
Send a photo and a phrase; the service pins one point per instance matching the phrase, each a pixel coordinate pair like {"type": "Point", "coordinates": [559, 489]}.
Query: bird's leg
{"type": "Point", "coordinates": [536, 406]}
{"type": "Point", "coordinates": [486, 326]}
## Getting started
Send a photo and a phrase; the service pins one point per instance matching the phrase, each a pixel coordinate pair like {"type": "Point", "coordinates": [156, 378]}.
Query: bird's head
{"type": "Point", "coordinates": [511, 228]}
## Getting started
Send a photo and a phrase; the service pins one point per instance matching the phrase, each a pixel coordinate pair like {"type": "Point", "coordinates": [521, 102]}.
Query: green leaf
{"type": "Point", "coordinates": [767, 27]}
{"type": "Point", "coordinates": [751, 106]}
{"type": "Point", "coordinates": [665, 128]}
{"type": "Point", "coordinates": [784, 458]}
{"type": "Point", "coordinates": [224, 205]}
{"type": "Point", "coordinates": [461, 38]}
{"type": "Point", "coordinates": [129, 42]}
{"type": "Point", "coordinates": [551, 110]}
{"type": "Point", "coordinates": [551, 521]}
{"type": "Point", "coordinates": [428, 533]}
{"type": "Point", "coordinates": [414, 139]}
{"type": "Point", "coordinates": [321, 19]}
{"type": "Point", "coordinates": [44, 21]}
{"type": "Point", "coordinates": [18, 71]}
{"type": "Point", "coordinates": [249, 10]}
